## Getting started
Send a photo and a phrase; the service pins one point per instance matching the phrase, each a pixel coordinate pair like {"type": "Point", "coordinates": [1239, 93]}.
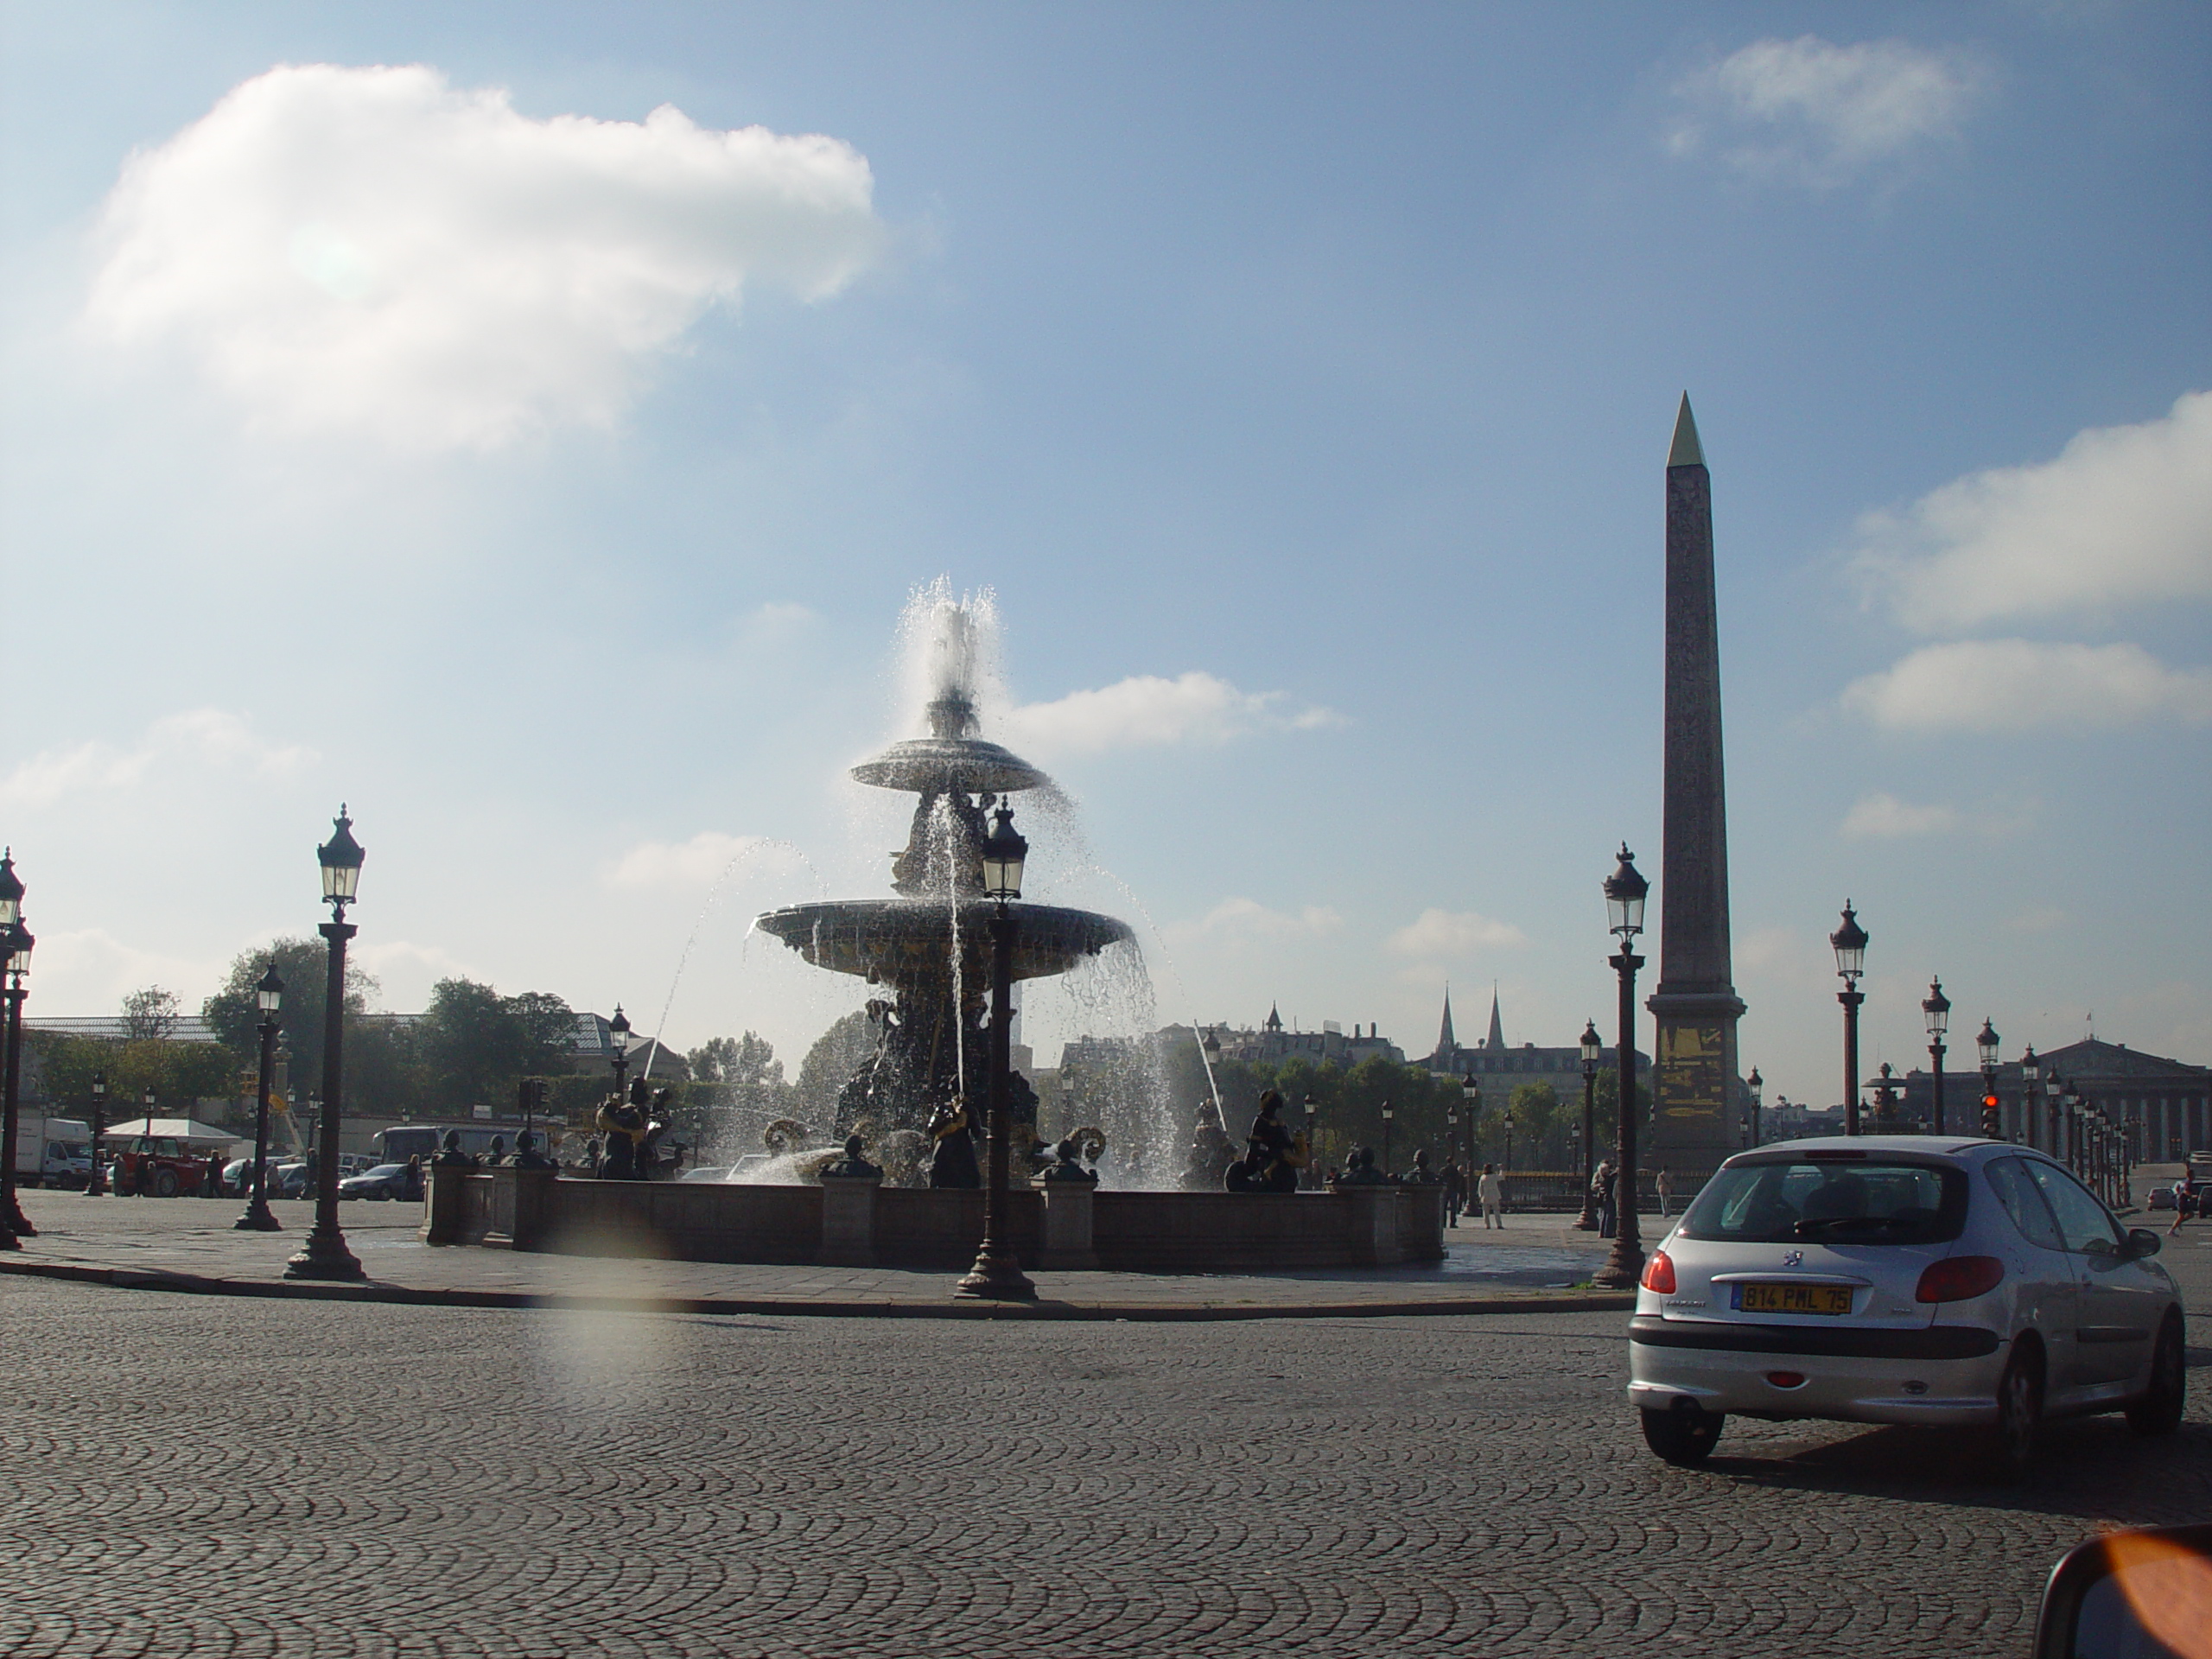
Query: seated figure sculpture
{"type": "Point", "coordinates": [1273, 1155]}
{"type": "Point", "coordinates": [527, 1156]}
{"type": "Point", "coordinates": [953, 1162]}
{"type": "Point", "coordinates": [1067, 1167]}
{"type": "Point", "coordinates": [852, 1163]}
{"type": "Point", "coordinates": [621, 1125]}
{"type": "Point", "coordinates": [1360, 1171]}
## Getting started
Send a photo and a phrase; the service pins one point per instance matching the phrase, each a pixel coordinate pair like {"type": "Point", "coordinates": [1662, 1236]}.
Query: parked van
{"type": "Point", "coordinates": [53, 1151]}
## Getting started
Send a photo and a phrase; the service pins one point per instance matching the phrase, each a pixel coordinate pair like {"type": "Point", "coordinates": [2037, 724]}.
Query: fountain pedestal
{"type": "Point", "coordinates": [1066, 1245]}
{"type": "Point", "coordinates": [848, 1219]}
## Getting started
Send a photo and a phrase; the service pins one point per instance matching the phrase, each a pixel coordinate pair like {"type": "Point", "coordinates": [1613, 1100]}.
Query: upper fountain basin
{"type": "Point", "coordinates": [922, 764]}
{"type": "Point", "coordinates": [891, 940]}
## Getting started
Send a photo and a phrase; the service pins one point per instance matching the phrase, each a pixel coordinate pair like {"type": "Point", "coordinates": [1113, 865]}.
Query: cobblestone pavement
{"type": "Point", "coordinates": [192, 1240]}
{"type": "Point", "coordinates": [216, 1475]}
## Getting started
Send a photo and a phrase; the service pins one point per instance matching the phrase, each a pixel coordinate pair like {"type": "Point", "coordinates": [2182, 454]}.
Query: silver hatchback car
{"type": "Point", "coordinates": [1902, 1279]}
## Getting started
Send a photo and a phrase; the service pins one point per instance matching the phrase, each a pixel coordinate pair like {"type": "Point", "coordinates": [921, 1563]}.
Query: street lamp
{"type": "Point", "coordinates": [2031, 1091]}
{"type": "Point", "coordinates": [1625, 891]}
{"type": "Point", "coordinates": [997, 1275]}
{"type": "Point", "coordinates": [18, 946]}
{"type": "Point", "coordinates": [2053, 1088]}
{"type": "Point", "coordinates": [325, 1254]}
{"type": "Point", "coordinates": [1986, 1042]}
{"type": "Point", "coordinates": [1506, 1168]}
{"type": "Point", "coordinates": [1386, 1137]}
{"type": "Point", "coordinates": [258, 1218]}
{"type": "Point", "coordinates": [96, 1183]}
{"type": "Point", "coordinates": [1470, 1099]}
{"type": "Point", "coordinates": [618, 1038]}
{"type": "Point", "coordinates": [1850, 942]}
{"type": "Point", "coordinates": [1757, 1084]}
{"type": "Point", "coordinates": [1211, 1049]}
{"type": "Point", "coordinates": [1593, 1050]}
{"type": "Point", "coordinates": [1936, 1008]}
{"type": "Point", "coordinates": [1451, 1129]}
{"type": "Point", "coordinates": [1312, 1143]}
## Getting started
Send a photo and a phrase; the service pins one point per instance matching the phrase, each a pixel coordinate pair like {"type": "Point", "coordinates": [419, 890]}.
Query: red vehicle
{"type": "Point", "coordinates": [161, 1166]}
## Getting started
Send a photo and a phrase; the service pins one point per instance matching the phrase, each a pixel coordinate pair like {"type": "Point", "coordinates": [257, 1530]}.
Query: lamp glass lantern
{"type": "Point", "coordinates": [1388, 1114]}
{"type": "Point", "coordinates": [270, 993]}
{"type": "Point", "coordinates": [2031, 1067]}
{"type": "Point", "coordinates": [1593, 1047]}
{"type": "Point", "coordinates": [340, 857]}
{"type": "Point", "coordinates": [1849, 942]}
{"type": "Point", "coordinates": [1757, 1084]}
{"type": "Point", "coordinates": [1987, 1041]}
{"type": "Point", "coordinates": [1936, 1007]}
{"type": "Point", "coordinates": [618, 1030]}
{"type": "Point", "coordinates": [1004, 854]}
{"type": "Point", "coordinates": [11, 890]}
{"type": "Point", "coordinates": [99, 1085]}
{"type": "Point", "coordinates": [19, 943]}
{"type": "Point", "coordinates": [1625, 891]}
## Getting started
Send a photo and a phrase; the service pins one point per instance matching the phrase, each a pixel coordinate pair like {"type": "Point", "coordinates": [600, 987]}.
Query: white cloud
{"type": "Point", "coordinates": [205, 736]}
{"type": "Point", "coordinates": [697, 862]}
{"type": "Point", "coordinates": [1882, 817]}
{"type": "Point", "coordinates": [371, 250]}
{"type": "Point", "coordinates": [1435, 934]}
{"type": "Point", "coordinates": [2122, 516]}
{"type": "Point", "coordinates": [2001, 685]}
{"type": "Point", "coordinates": [1813, 112]}
{"type": "Point", "coordinates": [1146, 710]}
{"type": "Point", "coordinates": [89, 970]}
{"type": "Point", "coordinates": [1249, 920]}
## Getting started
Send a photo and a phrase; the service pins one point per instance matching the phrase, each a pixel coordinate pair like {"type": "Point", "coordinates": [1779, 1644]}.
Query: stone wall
{"type": "Point", "coordinates": [857, 1223]}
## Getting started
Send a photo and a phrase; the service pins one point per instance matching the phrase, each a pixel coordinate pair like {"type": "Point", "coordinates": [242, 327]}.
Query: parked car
{"type": "Point", "coordinates": [161, 1166]}
{"type": "Point", "coordinates": [1884, 1281]}
{"type": "Point", "coordinates": [2161, 1197]}
{"type": "Point", "coordinates": [385, 1181]}
{"type": "Point", "coordinates": [706, 1173]}
{"type": "Point", "coordinates": [354, 1163]}
{"type": "Point", "coordinates": [294, 1179]}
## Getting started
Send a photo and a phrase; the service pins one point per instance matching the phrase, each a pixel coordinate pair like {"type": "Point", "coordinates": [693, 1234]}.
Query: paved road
{"type": "Point", "coordinates": [222, 1476]}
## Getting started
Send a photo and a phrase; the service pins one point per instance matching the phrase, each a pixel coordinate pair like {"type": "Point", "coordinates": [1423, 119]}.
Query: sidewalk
{"type": "Point", "coordinates": [188, 1245]}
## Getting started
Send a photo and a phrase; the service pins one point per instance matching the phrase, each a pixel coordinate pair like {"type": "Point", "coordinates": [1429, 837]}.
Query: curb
{"type": "Point", "coordinates": [191, 1284]}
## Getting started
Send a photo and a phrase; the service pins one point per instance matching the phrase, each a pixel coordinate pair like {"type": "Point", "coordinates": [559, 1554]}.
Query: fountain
{"type": "Point", "coordinates": [928, 947]}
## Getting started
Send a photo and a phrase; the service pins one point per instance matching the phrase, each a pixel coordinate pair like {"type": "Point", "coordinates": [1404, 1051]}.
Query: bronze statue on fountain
{"type": "Point", "coordinates": [930, 947]}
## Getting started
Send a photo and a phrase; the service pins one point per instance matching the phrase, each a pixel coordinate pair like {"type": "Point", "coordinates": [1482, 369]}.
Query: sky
{"type": "Point", "coordinates": [527, 424]}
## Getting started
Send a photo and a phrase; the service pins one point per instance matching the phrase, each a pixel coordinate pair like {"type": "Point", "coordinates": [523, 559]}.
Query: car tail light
{"type": "Point", "coordinates": [1659, 1273]}
{"type": "Point", "coordinates": [1955, 1278]}
{"type": "Point", "coordinates": [1786, 1379]}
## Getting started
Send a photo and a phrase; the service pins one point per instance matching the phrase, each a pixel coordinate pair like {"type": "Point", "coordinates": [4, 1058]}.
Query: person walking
{"type": "Point", "coordinates": [1455, 1193]}
{"type": "Point", "coordinates": [2184, 1197]}
{"type": "Point", "coordinates": [1666, 1190]}
{"type": "Point", "coordinates": [1607, 1178]}
{"type": "Point", "coordinates": [1491, 1189]}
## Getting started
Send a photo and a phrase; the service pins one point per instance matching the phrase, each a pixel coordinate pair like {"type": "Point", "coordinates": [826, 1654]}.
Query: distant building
{"type": "Point", "coordinates": [1500, 1070]}
{"type": "Point", "coordinates": [1271, 1043]}
{"type": "Point", "coordinates": [2166, 1105]}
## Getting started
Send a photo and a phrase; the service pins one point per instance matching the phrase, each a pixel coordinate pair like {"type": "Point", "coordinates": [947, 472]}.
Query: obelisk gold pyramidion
{"type": "Point", "coordinates": [1695, 1093]}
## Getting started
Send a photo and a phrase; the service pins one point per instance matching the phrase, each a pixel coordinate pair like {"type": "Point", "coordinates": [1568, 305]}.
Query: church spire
{"type": "Point", "coordinates": [1445, 1042]}
{"type": "Point", "coordinates": [1275, 1020]}
{"type": "Point", "coordinates": [1497, 1026]}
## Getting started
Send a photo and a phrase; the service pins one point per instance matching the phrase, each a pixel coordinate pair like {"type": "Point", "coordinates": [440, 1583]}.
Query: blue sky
{"type": "Point", "coordinates": [546, 478]}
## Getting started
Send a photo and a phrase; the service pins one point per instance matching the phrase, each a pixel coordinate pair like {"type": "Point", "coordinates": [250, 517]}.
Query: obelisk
{"type": "Point", "coordinates": [1694, 1090]}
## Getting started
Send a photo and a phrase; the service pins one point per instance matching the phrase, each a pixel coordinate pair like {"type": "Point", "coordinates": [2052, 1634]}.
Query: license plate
{"type": "Point", "coordinates": [1793, 1299]}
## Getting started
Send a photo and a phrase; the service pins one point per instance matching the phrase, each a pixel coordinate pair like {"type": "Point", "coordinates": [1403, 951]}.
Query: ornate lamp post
{"type": "Point", "coordinates": [1985, 1043]}
{"type": "Point", "coordinates": [2053, 1088]}
{"type": "Point", "coordinates": [618, 1036]}
{"type": "Point", "coordinates": [1211, 1049]}
{"type": "Point", "coordinates": [96, 1183]}
{"type": "Point", "coordinates": [1850, 942]}
{"type": "Point", "coordinates": [11, 919]}
{"type": "Point", "coordinates": [1506, 1168]}
{"type": "Point", "coordinates": [1067, 1099]}
{"type": "Point", "coordinates": [1625, 891]}
{"type": "Point", "coordinates": [1936, 1008]}
{"type": "Point", "coordinates": [1387, 1115]}
{"type": "Point", "coordinates": [2072, 1102]}
{"type": "Point", "coordinates": [1312, 1143]}
{"type": "Point", "coordinates": [18, 946]}
{"type": "Point", "coordinates": [1451, 1129]}
{"type": "Point", "coordinates": [1593, 1050]}
{"type": "Point", "coordinates": [1757, 1084]}
{"type": "Point", "coordinates": [1470, 1099]}
{"type": "Point", "coordinates": [325, 1254]}
{"type": "Point", "coordinates": [258, 1218]}
{"type": "Point", "coordinates": [2031, 1093]}
{"type": "Point", "coordinates": [997, 1275]}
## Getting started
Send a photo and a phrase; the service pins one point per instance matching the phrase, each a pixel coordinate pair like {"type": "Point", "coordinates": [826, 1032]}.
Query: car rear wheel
{"type": "Point", "coordinates": [1684, 1436]}
{"type": "Point", "coordinates": [165, 1183]}
{"type": "Point", "coordinates": [2158, 1409]}
{"type": "Point", "coordinates": [2019, 1414]}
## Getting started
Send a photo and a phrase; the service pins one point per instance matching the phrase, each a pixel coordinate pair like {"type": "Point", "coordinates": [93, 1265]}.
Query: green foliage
{"type": "Point", "coordinates": [473, 1043]}
{"type": "Point", "coordinates": [178, 1073]}
{"type": "Point", "coordinates": [234, 1012]}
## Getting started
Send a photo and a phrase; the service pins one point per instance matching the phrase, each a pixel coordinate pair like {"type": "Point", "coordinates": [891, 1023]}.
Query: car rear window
{"type": "Point", "coordinates": [1831, 1201]}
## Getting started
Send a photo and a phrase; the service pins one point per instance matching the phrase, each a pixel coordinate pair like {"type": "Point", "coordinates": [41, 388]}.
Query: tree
{"type": "Point", "coordinates": [1539, 1132]}
{"type": "Point", "coordinates": [836, 1054]}
{"type": "Point", "coordinates": [475, 1045]}
{"type": "Point", "coordinates": [149, 1016]}
{"type": "Point", "coordinates": [739, 1084]}
{"type": "Point", "coordinates": [234, 1013]}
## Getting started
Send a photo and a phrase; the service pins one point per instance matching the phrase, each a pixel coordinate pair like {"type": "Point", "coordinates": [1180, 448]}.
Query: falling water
{"type": "Point", "coordinates": [947, 826]}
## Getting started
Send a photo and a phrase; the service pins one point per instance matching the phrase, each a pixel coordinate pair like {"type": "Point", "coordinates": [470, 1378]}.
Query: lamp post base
{"type": "Point", "coordinates": [1587, 1221]}
{"type": "Point", "coordinates": [1624, 1268]}
{"type": "Point", "coordinates": [997, 1277]}
{"type": "Point", "coordinates": [258, 1218]}
{"type": "Point", "coordinates": [325, 1256]}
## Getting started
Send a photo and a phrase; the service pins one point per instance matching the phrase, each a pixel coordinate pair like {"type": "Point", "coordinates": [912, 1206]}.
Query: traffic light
{"type": "Point", "coordinates": [1993, 1121]}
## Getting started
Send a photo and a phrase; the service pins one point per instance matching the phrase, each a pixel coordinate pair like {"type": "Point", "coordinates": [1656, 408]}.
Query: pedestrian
{"type": "Point", "coordinates": [211, 1187]}
{"type": "Point", "coordinates": [1666, 1189]}
{"type": "Point", "coordinates": [1607, 1178]}
{"type": "Point", "coordinates": [1491, 1189]}
{"type": "Point", "coordinates": [2183, 1199]}
{"type": "Point", "coordinates": [1455, 1192]}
